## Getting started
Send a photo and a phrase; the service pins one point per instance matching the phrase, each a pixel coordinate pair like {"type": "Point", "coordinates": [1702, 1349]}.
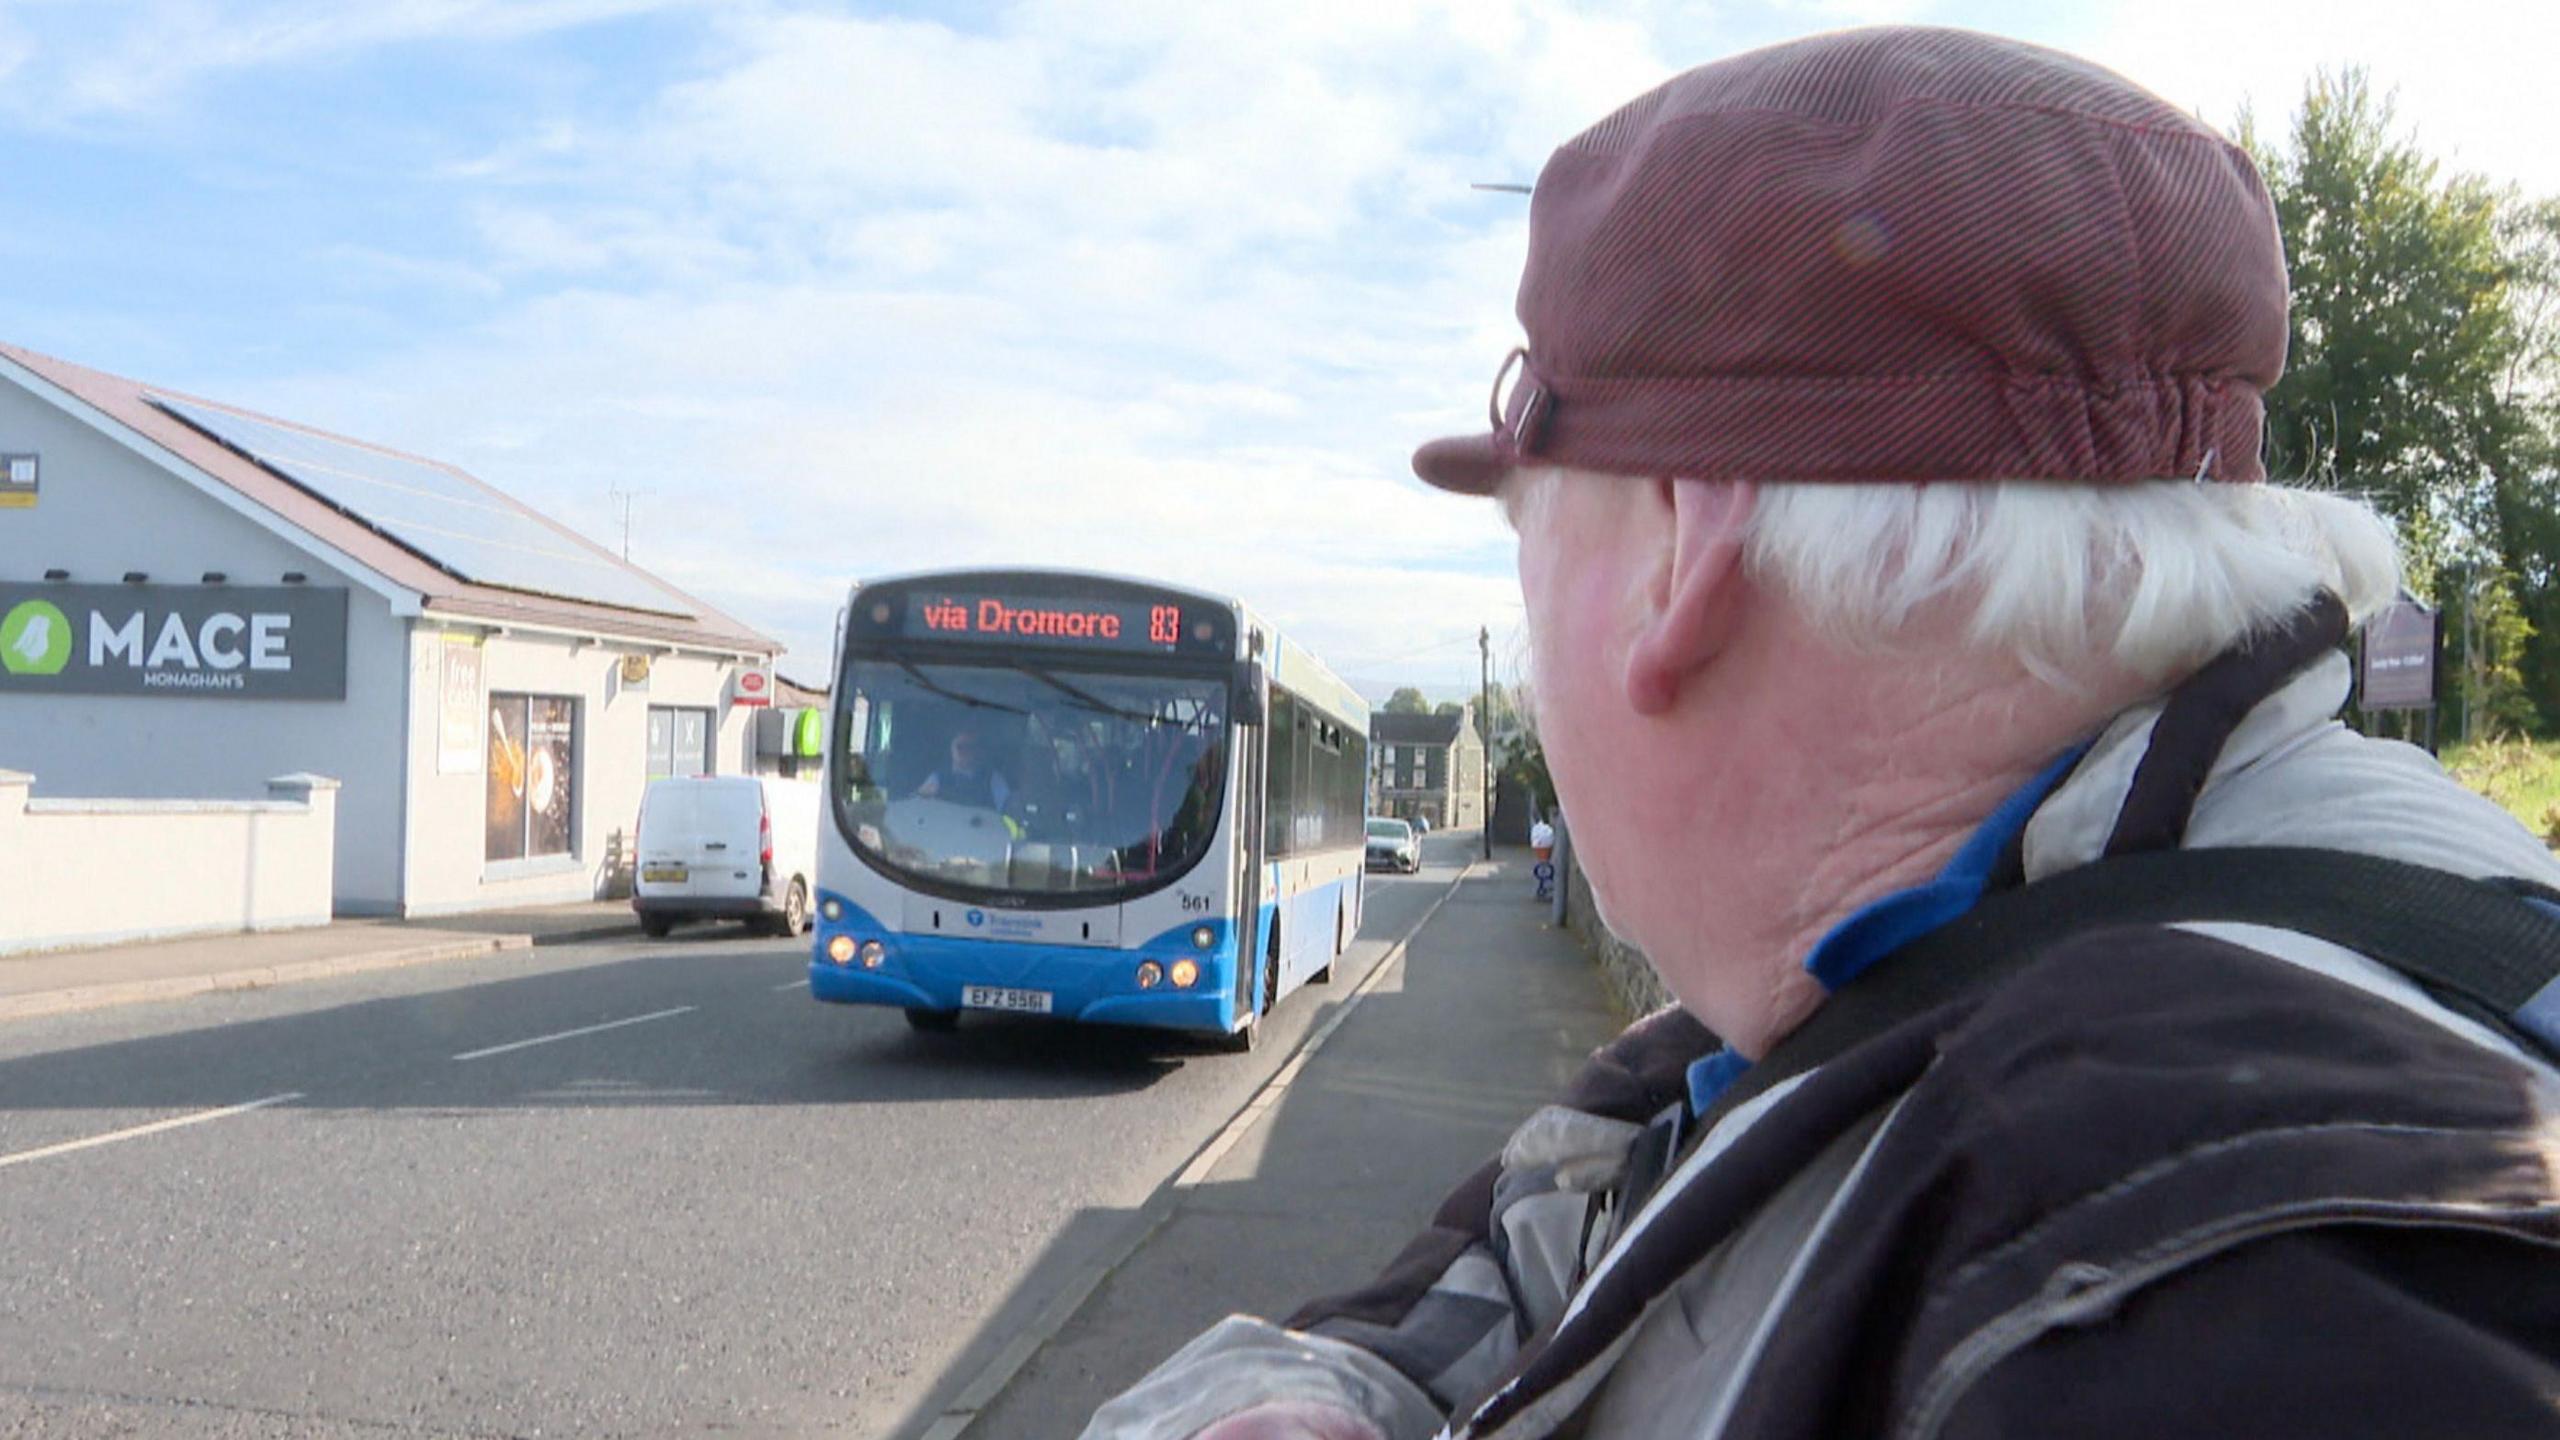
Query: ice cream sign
{"type": "Point", "coordinates": [217, 642]}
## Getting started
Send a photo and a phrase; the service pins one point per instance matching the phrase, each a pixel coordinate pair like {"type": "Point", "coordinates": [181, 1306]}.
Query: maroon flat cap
{"type": "Point", "coordinates": [1892, 254]}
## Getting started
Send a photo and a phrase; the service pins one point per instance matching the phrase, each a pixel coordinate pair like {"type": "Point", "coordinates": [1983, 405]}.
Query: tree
{"type": "Point", "coordinates": [2489, 648]}
{"type": "Point", "coordinates": [2422, 331]}
{"type": "Point", "coordinates": [1407, 701]}
{"type": "Point", "coordinates": [2401, 333]}
{"type": "Point", "coordinates": [1525, 761]}
{"type": "Point", "coordinates": [2528, 500]}
{"type": "Point", "coordinates": [1448, 707]}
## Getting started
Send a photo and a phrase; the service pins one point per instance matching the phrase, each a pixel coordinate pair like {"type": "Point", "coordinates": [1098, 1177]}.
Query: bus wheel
{"type": "Point", "coordinates": [1238, 1042]}
{"type": "Point", "coordinates": [934, 1022]}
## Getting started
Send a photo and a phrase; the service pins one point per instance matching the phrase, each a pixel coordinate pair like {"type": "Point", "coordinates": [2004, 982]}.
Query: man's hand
{"type": "Point", "coordinates": [1292, 1420]}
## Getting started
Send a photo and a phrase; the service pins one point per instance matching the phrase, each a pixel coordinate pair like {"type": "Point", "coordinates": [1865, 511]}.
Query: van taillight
{"type": "Point", "coordinates": [764, 843]}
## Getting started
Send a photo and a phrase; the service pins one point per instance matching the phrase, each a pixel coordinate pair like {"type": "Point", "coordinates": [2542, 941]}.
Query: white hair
{"type": "Point", "coordinates": [2161, 575]}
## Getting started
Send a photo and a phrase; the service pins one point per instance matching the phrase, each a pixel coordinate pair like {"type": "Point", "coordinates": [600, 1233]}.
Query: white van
{"type": "Point", "coordinates": [727, 847]}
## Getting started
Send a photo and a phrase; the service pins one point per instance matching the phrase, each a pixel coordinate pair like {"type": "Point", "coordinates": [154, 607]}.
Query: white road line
{"type": "Point", "coordinates": [138, 1131]}
{"type": "Point", "coordinates": [794, 985]}
{"type": "Point", "coordinates": [572, 1034]}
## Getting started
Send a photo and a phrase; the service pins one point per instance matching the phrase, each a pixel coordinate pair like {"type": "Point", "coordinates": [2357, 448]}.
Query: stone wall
{"type": "Point", "coordinates": [1631, 981]}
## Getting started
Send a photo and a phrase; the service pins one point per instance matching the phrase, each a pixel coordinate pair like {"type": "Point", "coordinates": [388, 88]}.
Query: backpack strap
{"type": "Point", "coordinates": [2488, 949]}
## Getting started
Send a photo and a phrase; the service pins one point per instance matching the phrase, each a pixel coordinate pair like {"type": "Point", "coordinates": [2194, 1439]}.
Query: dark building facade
{"type": "Point", "coordinates": [1429, 767]}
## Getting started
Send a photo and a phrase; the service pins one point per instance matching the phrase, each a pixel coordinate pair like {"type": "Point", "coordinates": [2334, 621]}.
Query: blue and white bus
{"type": "Point", "coordinates": [1087, 797]}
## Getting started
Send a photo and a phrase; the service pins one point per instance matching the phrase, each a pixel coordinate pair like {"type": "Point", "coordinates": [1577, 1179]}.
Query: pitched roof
{"type": "Point", "coordinates": [440, 591]}
{"type": "Point", "coordinates": [1390, 727]}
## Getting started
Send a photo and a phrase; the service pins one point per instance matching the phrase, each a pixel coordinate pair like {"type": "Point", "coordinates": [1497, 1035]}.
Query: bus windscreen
{"type": "Point", "coordinates": [1019, 782]}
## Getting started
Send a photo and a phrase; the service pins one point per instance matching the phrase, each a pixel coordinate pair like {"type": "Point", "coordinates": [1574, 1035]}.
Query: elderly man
{"type": "Point", "coordinates": [2112, 1043]}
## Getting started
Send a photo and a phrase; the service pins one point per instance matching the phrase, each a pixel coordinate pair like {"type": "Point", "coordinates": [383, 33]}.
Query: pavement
{"type": "Point", "coordinates": [55, 982]}
{"type": "Point", "coordinates": [1476, 1020]}
{"type": "Point", "coordinates": [621, 1187]}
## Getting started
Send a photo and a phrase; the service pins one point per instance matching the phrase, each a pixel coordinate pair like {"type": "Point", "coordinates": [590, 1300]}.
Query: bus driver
{"type": "Point", "coordinates": [969, 779]}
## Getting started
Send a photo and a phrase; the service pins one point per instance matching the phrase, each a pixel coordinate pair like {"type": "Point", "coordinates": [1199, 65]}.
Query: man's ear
{"type": "Point", "coordinates": [1693, 602]}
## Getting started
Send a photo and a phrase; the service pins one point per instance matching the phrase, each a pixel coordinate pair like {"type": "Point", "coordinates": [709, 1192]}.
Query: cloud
{"type": "Point", "coordinates": [1143, 289]}
{"type": "Point", "coordinates": [372, 268]}
{"type": "Point", "coordinates": [1139, 285]}
{"type": "Point", "coordinates": [2469, 73]}
{"type": "Point", "coordinates": [137, 56]}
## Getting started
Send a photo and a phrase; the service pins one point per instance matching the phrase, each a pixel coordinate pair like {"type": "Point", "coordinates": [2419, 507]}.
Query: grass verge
{"type": "Point", "coordinates": [2521, 775]}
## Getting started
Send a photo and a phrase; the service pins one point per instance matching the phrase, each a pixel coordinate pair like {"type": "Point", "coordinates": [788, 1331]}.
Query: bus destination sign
{"type": "Point", "coordinates": [1156, 627]}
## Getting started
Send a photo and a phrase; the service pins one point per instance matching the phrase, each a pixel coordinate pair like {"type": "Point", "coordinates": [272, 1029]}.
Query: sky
{"type": "Point", "coordinates": [823, 291]}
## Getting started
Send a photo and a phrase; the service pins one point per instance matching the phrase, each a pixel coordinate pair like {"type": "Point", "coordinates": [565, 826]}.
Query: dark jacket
{"type": "Point", "coordinates": [2192, 1180]}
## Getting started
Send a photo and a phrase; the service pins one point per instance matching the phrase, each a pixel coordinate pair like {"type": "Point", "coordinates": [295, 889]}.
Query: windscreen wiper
{"type": "Point", "coordinates": [1084, 699]}
{"type": "Point", "coordinates": [973, 701]}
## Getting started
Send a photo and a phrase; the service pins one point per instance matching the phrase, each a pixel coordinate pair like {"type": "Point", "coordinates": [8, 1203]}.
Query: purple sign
{"type": "Point", "coordinates": [2400, 658]}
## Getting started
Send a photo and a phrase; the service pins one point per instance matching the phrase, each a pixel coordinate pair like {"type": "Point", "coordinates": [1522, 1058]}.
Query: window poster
{"type": "Point", "coordinates": [459, 709]}
{"type": "Point", "coordinates": [506, 769]}
{"type": "Point", "coordinates": [550, 769]}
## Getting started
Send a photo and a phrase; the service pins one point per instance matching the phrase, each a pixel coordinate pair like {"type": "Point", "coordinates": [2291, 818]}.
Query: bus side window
{"type": "Point", "coordinates": [1280, 809]}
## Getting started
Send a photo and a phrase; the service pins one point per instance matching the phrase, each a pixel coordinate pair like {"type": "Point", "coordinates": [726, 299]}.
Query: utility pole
{"type": "Point", "coordinates": [1484, 729]}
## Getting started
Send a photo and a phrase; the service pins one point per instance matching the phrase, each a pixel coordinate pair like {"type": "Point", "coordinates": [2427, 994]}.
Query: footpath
{"type": "Point", "coordinates": [1482, 1017]}
{"type": "Point", "coordinates": [57, 981]}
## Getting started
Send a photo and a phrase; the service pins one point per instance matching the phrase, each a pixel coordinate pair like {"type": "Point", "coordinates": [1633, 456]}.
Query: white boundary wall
{"type": "Point", "coordinates": [102, 872]}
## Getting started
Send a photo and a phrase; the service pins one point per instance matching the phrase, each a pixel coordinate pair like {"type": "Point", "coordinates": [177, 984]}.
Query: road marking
{"type": "Point", "coordinates": [794, 985]}
{"type": "Point", "coordinates": [572, 1034]}
{"type": "Point", "coordinates": [990, 1382]}
{"type": "Point", "coordinates": [154, 1128]}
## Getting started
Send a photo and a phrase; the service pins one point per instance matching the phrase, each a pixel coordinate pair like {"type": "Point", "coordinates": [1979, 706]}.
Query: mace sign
{"type": "Point", "coordinates": [213, 642]}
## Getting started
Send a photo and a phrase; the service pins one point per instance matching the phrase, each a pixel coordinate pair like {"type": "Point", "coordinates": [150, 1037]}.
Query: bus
{"type": "Point", "coordinates": [1087, 797]}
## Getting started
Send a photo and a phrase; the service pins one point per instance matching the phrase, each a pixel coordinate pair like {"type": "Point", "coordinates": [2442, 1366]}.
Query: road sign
{"type": "Point", "coordinates": [2399, 658]}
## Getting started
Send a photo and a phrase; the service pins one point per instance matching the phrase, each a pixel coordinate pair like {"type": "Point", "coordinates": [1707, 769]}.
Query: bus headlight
{"type": "Point", "coordinates": [1150, 974]}
{"type": "Point", "coordinates": [832, 910]}
{"type": "Point", "coordinates": [873, 952]}
{"type": "Point", "coordinates": [1204, 937]}
{"type": "Point", "coordinates": [840, 949]}
{"type": "Point", "coordinates": [1185, 973]}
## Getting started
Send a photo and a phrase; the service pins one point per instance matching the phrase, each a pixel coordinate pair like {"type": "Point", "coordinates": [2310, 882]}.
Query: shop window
{"type": "Point", "coordinates": [533, 768]}
{"type": "Point", "coordinates": [679, 741]}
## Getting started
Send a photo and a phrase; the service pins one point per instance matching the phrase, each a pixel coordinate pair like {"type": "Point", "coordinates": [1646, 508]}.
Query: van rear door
{"type": "Point", "coordinates": [728, 856]}
{"type": "Point", "coordinates": [667, 821]}
{"type": "Point", "coordinates": [699, 839]}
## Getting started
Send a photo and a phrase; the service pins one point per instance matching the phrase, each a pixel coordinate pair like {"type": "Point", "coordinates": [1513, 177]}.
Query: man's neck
{"type": "Point", "coordinates": [1888, 765]}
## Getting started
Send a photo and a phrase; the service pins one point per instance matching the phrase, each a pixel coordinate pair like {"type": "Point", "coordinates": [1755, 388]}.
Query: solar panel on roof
{"type": "Point", "coordinates": [456, 523]}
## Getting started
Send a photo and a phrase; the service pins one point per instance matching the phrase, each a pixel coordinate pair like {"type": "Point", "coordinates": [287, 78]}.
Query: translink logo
{"type": "Point", "coordinates": [35, 639]}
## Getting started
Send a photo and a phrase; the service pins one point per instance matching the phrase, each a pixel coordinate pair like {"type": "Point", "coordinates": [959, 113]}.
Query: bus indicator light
{"type": "Point", "coordinates": [1150, 975]}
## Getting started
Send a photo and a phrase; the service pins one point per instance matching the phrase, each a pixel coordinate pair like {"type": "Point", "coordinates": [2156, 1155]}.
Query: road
{"type": "Point", "coordinates": [595, 1189]}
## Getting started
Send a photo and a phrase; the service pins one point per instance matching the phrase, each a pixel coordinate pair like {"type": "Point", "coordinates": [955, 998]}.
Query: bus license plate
{"type": "Point", "coordinates": [993, 997]}
{"type": "Point", "coordinates": [663, 874]}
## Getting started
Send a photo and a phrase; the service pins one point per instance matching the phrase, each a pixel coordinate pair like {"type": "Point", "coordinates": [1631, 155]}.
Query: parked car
{"type": "Point", "coordinates": [726, 847]}
{"type": "Point", "coordinates": [1393, 845]}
